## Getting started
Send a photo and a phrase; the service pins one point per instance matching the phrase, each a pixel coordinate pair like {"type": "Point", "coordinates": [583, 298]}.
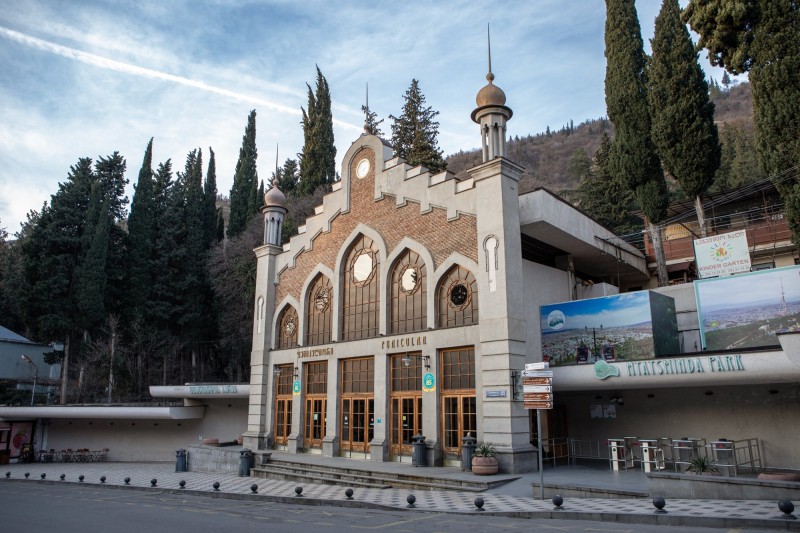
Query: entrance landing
{"type": "Point", "coordinates": [310, 468]}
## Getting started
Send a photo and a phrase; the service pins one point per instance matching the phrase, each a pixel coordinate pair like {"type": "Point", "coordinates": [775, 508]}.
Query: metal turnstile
{"type": "Point", "coordinates": [652, 455]}
{"type": "Point", "coordinates": [619, 456]}
{"type": "Point", "coordinates": [684, 450]}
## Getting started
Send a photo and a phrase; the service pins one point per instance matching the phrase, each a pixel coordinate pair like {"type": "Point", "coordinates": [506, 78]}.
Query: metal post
{"type": "Point", "coordinates": [35, 375]}
{"type": "Point", "coordinates": [539, 439]}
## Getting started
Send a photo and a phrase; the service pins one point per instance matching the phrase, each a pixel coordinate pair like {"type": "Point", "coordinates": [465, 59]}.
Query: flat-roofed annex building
{"type": "Point", "coordinates": [407, 304]}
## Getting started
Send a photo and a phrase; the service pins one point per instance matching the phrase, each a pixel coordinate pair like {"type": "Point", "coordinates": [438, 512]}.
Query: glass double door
{"type": "Point", "coordinates": [358, 423]}
{"type": "Point", "coordinates": [460, 418]}
{"type": "Point", "coordinates": [316, 412]}
{"type": "Point", "coordinates": [283, 420]}
{"type": "Point", "coordinates": [405, 422]}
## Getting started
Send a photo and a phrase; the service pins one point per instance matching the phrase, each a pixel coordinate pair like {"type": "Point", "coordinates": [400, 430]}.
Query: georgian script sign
{"type": "Point", "coordinates": [212, 389]}
{"type": "Point", "coordinates": [316, 352]}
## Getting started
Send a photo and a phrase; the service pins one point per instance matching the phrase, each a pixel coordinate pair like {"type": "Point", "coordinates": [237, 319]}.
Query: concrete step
{"type": "Point", "coordinates": [308, 477]}
{"type": "Point", "coordinates": [290, 470]}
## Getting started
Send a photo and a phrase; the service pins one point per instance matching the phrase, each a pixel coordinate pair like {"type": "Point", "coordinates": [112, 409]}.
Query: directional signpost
{"type": "Point", "coordinates": [537, 393]}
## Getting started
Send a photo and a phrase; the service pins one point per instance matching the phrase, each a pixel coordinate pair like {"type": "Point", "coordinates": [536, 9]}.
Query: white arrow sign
{"type": "Point", "coordinates": [537, 388]}
{"type": "Point", "coordinates": [537, 373]}
{"type": "Point", "coordinates": [537, 366]}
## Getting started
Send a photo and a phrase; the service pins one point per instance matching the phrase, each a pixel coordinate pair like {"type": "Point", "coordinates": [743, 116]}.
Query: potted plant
{"type": "Point", "coordinates": [484, 460]}
{"type": "Point", "coordinates": [703, 466]}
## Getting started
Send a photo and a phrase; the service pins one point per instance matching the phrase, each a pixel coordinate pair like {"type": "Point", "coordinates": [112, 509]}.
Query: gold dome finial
{"type": "Point", "coordinates": [491, 94]}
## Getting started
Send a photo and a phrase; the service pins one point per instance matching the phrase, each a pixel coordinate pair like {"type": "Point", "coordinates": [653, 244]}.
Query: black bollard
{"type": "Point", "coordinates": [479, 504]}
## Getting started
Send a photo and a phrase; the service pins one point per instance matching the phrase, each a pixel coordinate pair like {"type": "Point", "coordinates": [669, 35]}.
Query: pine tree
{"type": "Point", "coordinates": [762, 37]}
{"type": "Point", "coordinates": [287, 177]}
{"type": "Point", "coordinates": [141, 225]}
{"type": "Point", "coordinates": [579, 166]}
{"type": "Point", "coordinates": [726, 80]}
{"type": "Point", "coordinates": [603, 197]}
{"type": "Point", "coordinates": [633, 155]}
{"type": "Point", "coordinates": [682, 113]}
{"type": "Point", "coordinates": [245, 181]}
{"type": "Point", "coordinates": [371, 122]}
{"type": "Point", "coordinates": [415, 131]}
{"type": "Point", "coordinates": [318, 158]}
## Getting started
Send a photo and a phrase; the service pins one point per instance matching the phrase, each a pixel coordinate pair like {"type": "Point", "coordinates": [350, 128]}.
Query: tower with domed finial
{"type": "Point", "coordinates": [258, 433]}
{"type": "Point", "coordinates": [502, 311]}
{"type": "Point", "coordinates": [492, 114]}
{"type": "Point", "coordinates": [274, 210]}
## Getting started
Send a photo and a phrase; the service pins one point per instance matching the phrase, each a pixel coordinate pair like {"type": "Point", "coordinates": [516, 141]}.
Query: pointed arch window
{"type": "Point", "coordinates": [287, 328]}
{"type": "Point", "coordinates": [360, 298]}
{"type": "Point", "coordinates": [408, 294]}
{"type": "Point", "coordinates": [318, 311]}
{"type": "Point", "coordinates": [457, 298]}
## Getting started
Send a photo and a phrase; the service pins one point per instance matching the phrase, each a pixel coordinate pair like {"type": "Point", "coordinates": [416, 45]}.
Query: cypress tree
{"type": "Point", "coordinates": [194, 311]}
{"type": "Point", "coordinates": [90, 276]}
{"type": "Point", "coordinates": [318, 158]}
{"type": "Point", "coordinates": [762, 37]}
{"type": "Point", "coordinates": [415, 131]}
{"type": "Point", "coordinates": [110, 173]}
{"type": "Point", "coordinates": [141, 225]}
{"type": "Point", "coordinates": [633, 157]}
{"type": "Point", "coordinates": [682, 112]}
{"type": "Point", "coordinates": [210, 201]}
{"type": "Point", "coordinates": [168, 249]}
{"type": "Point", "coordinates": [245, 181]}
{"type": "Point", "coordinates": [324, 130]}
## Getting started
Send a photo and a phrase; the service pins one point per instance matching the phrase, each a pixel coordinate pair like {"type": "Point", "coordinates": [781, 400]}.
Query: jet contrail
{"type": "Point", "coordinates": [111, 64]}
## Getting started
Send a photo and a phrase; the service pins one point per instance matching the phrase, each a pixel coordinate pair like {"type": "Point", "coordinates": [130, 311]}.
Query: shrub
{"type": "Point", "coordinates": [485, 449]}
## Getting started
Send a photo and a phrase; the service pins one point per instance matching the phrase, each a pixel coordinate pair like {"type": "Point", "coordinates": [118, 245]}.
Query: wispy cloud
{"type": "Point", "coordinates": [119, 66]}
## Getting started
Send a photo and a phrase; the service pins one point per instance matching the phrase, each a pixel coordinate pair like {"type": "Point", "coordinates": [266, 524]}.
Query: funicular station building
{"type": "Point", "coordinates": [408, 304]}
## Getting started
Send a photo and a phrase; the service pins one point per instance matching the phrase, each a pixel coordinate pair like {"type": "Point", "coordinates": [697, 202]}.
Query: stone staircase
{"type": "Point", "coordinates": [367, 478]}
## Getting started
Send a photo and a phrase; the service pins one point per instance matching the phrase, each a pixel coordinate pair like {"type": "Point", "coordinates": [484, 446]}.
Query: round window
{"type": "Point", "coordinates": [289, 327]}
{"type": "Point", "coordinates": [409, 279]}
{"type": "Point", "coordinates": [459, 293]}
{"type": "Point", "coordinates": [362, 169]}
{"type": "Point", "coordinates": [362, 267]}
{"type": "Point", "coordinates": [321, 299]}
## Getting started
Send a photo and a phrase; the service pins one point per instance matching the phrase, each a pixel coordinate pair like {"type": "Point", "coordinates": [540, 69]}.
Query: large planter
{"type": "Point", "coordinates": [484, 466]}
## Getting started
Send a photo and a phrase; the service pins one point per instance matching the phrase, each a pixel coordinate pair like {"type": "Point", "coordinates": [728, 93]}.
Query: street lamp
{"type": "Point", "coordinates": [35, 375]}
{"type": "Point", "coordinates": [426, 360]}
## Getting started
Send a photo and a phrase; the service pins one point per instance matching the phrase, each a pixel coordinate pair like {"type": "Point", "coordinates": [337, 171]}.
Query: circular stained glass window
{"type": "Point", "coordinates": [409, 279]}
{"type": "Point", "coordinates": [362, 267]}
{"type": "Point", "coordinates": [458, 294]}
{"type": "Point", "coordinates": [290, 326]}
{"type": "Point", "coordinates": [321, 299]}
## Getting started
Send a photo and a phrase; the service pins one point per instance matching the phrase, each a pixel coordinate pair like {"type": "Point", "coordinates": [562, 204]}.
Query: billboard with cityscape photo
{"type": "Point", "coordinates": [624, 327]}
{"type": "Point", "coordinates": [746, 310]}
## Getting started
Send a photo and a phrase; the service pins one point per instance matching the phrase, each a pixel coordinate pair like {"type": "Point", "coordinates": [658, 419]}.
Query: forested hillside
{"type": "Point", "coordinates": [551, 158]}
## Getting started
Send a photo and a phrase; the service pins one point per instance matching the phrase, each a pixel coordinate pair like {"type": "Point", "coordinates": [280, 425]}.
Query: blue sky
{"type": "Point", "coordinates": [609, 311]}
{"type": "Point", "coordinates": [87, 78]}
